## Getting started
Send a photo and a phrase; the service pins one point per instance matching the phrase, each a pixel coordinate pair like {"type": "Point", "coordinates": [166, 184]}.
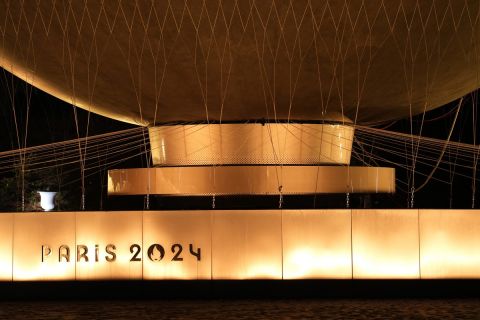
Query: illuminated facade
{"type": "Point", "coordinates": [252, 244]}
{"type": "Point", "coordinates": [246, 98]}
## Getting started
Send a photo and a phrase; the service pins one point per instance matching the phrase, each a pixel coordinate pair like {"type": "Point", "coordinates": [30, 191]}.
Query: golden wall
{"type": "Point", "coordinates": [234, 244]}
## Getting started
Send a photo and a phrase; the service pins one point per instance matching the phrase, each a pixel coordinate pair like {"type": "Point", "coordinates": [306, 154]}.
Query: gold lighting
{"type": "Point", "coordinates": [235, 244]}
{"type": "Point", "coordinates": [317, 244]}
{"type": "Point", "coordinates": [385, 244]}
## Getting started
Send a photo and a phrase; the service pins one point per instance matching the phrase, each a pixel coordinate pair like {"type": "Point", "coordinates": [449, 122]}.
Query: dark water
{"type": "Point", "coordinates": [244, 309]}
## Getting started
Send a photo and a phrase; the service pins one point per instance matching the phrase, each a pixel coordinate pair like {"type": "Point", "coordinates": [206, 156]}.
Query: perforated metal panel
{"type": "Point", "coordinates": [253, 143]}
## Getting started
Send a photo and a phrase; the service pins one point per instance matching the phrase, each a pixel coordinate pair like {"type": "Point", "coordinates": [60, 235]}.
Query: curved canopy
{"type": "Point", "coordinates": [150, 62]}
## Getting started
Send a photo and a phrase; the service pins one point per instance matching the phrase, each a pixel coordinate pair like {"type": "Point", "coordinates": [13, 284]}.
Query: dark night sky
{"type": "Point", "coordinates": [51, 120]}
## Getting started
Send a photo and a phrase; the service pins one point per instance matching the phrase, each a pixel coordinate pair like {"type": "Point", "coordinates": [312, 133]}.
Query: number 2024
{"type": "Point", "coordinates": [156, 252]}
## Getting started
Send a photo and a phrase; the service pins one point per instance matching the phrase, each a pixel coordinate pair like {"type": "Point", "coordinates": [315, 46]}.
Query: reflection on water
{"type": "Point", "coordinates": [243, 309]}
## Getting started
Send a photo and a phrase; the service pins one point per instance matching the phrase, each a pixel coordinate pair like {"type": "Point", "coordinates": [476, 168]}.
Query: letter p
{"type": "Point", "coordinates": [46, 251]}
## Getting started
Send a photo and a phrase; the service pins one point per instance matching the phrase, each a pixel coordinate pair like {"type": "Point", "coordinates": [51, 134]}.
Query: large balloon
{"type": "Point", "coordinates": [151, 62]}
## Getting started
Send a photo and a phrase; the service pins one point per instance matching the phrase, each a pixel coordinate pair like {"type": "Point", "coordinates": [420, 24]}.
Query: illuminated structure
{"type": "Point", "coordinates": [248, 98]}
{"type": "Point", "coordinates": [191, 61]}
{"type": "Point", "coordinates": [261, 159]}
{"type": "Point", "coordinates": [253, 244]}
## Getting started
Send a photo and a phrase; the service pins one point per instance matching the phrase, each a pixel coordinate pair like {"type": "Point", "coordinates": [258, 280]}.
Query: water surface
{"type": "Point", "coordinates": [244, 309]}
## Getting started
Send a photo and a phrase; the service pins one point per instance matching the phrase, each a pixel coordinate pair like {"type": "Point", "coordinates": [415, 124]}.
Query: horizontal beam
{"type": "Point", "coordinates": [255, 180]}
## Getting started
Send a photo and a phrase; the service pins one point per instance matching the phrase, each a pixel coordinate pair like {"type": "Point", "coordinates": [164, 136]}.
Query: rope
{"type": "Point", "coordinates": [444, 148]}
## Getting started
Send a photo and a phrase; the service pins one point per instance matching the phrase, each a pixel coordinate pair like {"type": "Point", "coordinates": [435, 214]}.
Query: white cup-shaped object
{"type": "Point", "coordinates": [47, 200]}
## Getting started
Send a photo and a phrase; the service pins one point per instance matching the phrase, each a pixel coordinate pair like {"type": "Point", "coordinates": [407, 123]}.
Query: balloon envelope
{"type": "Point", "coordinates": [150, 62]}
